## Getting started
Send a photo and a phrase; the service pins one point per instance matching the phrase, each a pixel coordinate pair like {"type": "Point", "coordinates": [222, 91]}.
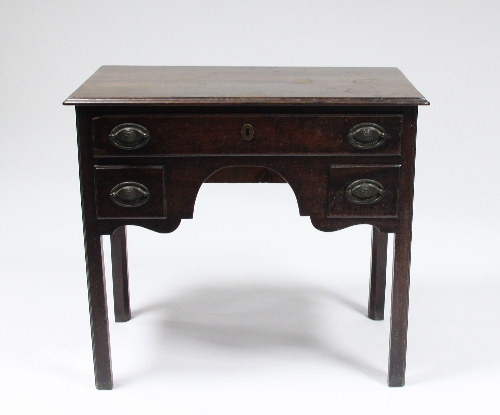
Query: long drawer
{"type": "Point", "coordinates": [150, 135]}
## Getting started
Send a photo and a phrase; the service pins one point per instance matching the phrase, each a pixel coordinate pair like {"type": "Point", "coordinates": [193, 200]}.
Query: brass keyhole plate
{"type": "Point", "coordinates": [247, 132]}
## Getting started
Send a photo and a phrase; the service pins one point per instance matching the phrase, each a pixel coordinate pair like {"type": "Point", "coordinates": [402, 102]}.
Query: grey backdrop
{"type": "Point", "coordinates": [247, 308]}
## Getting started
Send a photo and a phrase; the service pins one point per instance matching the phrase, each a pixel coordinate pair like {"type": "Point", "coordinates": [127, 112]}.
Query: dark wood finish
{"type": "Point", "coordinates": [399, 309]}
{"type": "Point", "coordinates": [376, 301]}
{"type": "Point", "coordinates": [245, 175]}
{"type": "Point", "coordinates": [401, 268]}
{"type": "Point", "coordinates": [341, 176]}
{"type": "Point", "coordinates": [119, 263]}
{"type": "Point", "coordinates": [107, 177]}
{"type": "Point", "coordinates": [300, 117]}
{"type": "Point", "coordinates": [95, 266]}
{"type": "Point", "coordinates": [221, 134]}
{"type": "Point", "coordinates": [98, 312]}
{"type": "Point", "coordinates": [178, 85]}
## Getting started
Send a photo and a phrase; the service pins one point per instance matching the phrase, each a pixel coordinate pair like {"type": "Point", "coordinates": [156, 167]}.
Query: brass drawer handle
{"type": "Point", "coordinates": [247, 132]}
{"type": "Point", "coordinates": [129, 136]}
{"type": "Point", "coordinates": [365, 192]}
{"type": "Point", "coordinates": [366, 135]}
{"type": "Point", "coordinates": [129, 194]}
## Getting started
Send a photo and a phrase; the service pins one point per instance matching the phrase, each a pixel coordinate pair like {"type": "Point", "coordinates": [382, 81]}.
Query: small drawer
{"type": "Point", "coordinates": [369, 191]}
{"type": "Point", "coordinates": [130, 192]}
{"type": "Point", "coordinates": [150, 135]}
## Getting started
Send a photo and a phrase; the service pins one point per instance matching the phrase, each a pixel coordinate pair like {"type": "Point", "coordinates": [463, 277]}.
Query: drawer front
{"type": "Point", "coordinates": [363, 191]}
{"type": "Point", "coordinates": [135, 135]}
{"type": "Point", "coordinates": [130, 192]}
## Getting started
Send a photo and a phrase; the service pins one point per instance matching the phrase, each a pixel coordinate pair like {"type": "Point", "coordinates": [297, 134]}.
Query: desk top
{"type": "Point", "coordinates": [227, 85]}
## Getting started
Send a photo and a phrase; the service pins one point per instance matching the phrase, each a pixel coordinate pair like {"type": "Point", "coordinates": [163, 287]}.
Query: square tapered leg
{"type": "Point", "coordinates": [399, 308]}
{"type": "Point", "coordinates": [98, 312]}
{"type": "Point", "coordinates": [376, 300]}
{"type": "Point", "coordinates": [119, 261]}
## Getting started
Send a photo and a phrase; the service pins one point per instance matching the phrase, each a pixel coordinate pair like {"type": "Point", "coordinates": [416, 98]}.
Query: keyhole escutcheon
{"type": "Point", "coordinates": [247, 132]}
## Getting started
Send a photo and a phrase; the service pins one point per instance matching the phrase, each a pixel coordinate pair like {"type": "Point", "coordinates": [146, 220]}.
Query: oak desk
{"type": "Point", "coordinates": [342, 138]}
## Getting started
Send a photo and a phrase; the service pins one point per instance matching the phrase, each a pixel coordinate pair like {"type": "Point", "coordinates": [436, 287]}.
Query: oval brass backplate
{"type": "Point", "coordinates": [365, 192]}
{"type": "Point", "coordinates": [247, 132]}
{"type": "Point", "coordinates": [129, 136]}
{"type": "Point", "coordinates": [129, 194]}
{"type": "Point", "coordinates": [366, 135]}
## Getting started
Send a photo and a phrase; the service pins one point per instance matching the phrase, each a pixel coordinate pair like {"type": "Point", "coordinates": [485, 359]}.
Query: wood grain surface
{"type": "Point", "coordinates": [197, 85]}
{"type": "Point", "coordinates": [221, 134]}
